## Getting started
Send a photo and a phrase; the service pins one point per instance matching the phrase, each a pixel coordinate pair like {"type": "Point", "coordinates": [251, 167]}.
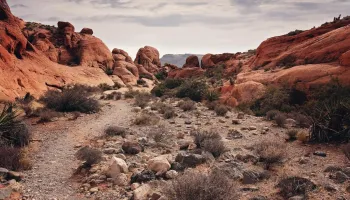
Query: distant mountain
{"type": "Point", "coordinates": [178, 59]}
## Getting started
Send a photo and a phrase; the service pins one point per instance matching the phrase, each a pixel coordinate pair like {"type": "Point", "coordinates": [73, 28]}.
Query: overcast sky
{"type": "Point", "coordinates": [183, 26]}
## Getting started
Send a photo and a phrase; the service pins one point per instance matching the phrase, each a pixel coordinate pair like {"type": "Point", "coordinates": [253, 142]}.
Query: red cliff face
{"type": "Point", "coordinates": [191, 61]}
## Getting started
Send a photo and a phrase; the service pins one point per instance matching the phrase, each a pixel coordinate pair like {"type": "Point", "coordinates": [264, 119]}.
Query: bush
{"type": "Point", "coordinates": [211, 105]}
{"type": "Point", "coordinates": [10, 158]}
{"type": "Point", "coordinates": [187, 105]}
{"type": "Point", "coordinates": [172, 83]}
{"type": "Point", "coordinates": [292, 134]}
{"type": "Point", "coordinates": [131, 93]}
{"type": "Point", "coordinates": [194, 90]}
{"type": "Point", "coordinates": [212, 95]}
{"type": "Point", "coordinates": [115, 131]}
{"type": "Point", "coordinates": [201, 136]}
{"type": "Point", "coordinates": [89, 156]}
{"type": "Point", "coordinates": [200, 186]}
{"type": "Point", "coordinates": [294, 186]}
{"type": "Point", "coordinates": [47, 115]}
{"type": "Point", "coordinates": [158, 90]}
{"type": "Point", "coordinates": [169, 113]}
{"type": "Point", "coordinates": [71, 99]}
{"type": "Point", "coordinates": [160, 106]}
{"type": "Point", "coordinates": [215, 146]}
{"type": "Point", "coordinates": [113, 96]}
{"type": "Point", "coordinates": [141, 82]}
{"type": "Point", "coordinates": [281, 120]}
{"type": "Point", "coordinates": [296, 32]}
{"type": "Point", "coordinates": [12, 131]}
{"type": "Point", "coordinates": [221, 110]}
{"type": "Point", "coordinates": [146, 119]}
{"type": "Point", "coordinates": [142, 99]}
{"type": "Point", "coordinates": [270, 152]}
{"type": "Point", "coordinates": [271, 115]}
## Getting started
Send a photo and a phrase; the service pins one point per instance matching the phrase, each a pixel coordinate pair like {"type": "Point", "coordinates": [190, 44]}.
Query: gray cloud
{"type": "Point", "coordinates": [19, 6]}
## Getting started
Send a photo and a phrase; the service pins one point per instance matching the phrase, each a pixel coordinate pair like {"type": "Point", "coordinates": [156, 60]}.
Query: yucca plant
{"type": "Point", "coordinates": [12, 131]}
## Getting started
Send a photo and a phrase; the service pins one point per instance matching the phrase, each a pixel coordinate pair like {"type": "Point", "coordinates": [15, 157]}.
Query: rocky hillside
{"type": "Point", "coordinates": [35, 57]}
{"type": "Point", "coordinates": [177, 59]}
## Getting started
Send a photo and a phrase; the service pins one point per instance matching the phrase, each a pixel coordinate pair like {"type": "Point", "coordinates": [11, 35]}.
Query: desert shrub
{"type": "Point", "coordinates": [47, 115]}
{"type": "Point", "coordinates": [131, 93]}
{"type": "Point", "coordinates": [89, 156]}
{"type": "Point", "coordinates": [201, 136]}
{"type": "Point", "coordinates": [114, 96]}
{"type": "Point", "coordinates": [172, 83]}
{"type": "Point", "coordinates": [158, 90]}
{"type": "Point", "coordinates": [281, 120]}
{"type": "Point", "coordinates": [296, 32]}
{"type": "Point", "coordinates": [212, 95]}
{"type": "Point", "coordinates": [169, 113]}
{"type": "Point", "coordinates": [346, 151]}
{"type": "Point", "coordinates": [26, 99]}
{"type": "Point", "coordinates": [10, 158]}
{"type": "Point", "coordinates": [187, 105]}
{"type": "Point", "coordinates": [160, 134]}
{"type": "Point", "coordinates": [142, 99]}
{"type": "Point", "coordinates": [141, 82]}
{"type": "Point", "coordinates": [161, 75]}
{"type": "Point", "coordinates": [274, 99]}
{"type": "Point", "coordinates": [330, 114]}
{"type": "Point", "coordinates": [12, 131]}
{"type": "Point", "coordinates": [146, 119]}
{"type": "Point", "coordinates": [221, 110]}
{"type": "Point", "coordinates": [86, 88]}
{"type": "Point", "coordinates": [211, 105]}
{"type": "Point", "coordinates": [193, 89]}
{"type": "Point", "coordinates": [115, 130]}
{"type": "Point", "coordinates": [71, 99]}
{"type": "Point", "coordinates": [216, 72]}
{"type": "Point", "coordinates": [215, 146]}
{"type": "Point", "coordinates": [270, 152]}
{"type": "Point", "coordinates": [292, 134]}
{"type": "Point", "coordinates": [201, 186]}
{"type": "Point", "coordinates": [302, 121]}
{"type": "Point", "coordinates": [294, 186]}
{"type": "Point", "coordinates": [303, 136]}
{"type": "Point", "coordinates": [271, 115]}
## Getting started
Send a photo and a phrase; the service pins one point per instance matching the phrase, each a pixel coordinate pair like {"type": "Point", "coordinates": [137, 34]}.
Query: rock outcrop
{"type": "Point", "coordinates": [148, 57]}
{"type": "Point", "coordinates": [191, 61]}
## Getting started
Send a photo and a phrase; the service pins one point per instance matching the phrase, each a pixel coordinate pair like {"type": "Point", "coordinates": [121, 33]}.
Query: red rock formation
{"type": "Point", "coordinates": [186, 72]}
{"type": "Point", "coordinates": [148, 57]}
{"type": "Point", "coordinates": [191, 61]}
{"type": "Point", "coordinates": [88, 31]}
{"type": "Point", "coordinates": [211, 60]}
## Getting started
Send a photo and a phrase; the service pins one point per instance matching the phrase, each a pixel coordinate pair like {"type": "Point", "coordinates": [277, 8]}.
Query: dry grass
{"type": "Point", "coordinates": [187, 105]}
{"type": "Point", "coordinates": [271, 115]}
{"type": "Point", "coordinates": [131, 93]}
{"type": "Point", "coordinates": [303, 136]}
{"type": "Point", "coordinates": [270, 152]}
{"type": "Point", "coordinates": [169, 113]}
{"type": "Point", "coordinates": [10, 158]}
{"type": "Point", "coordinates": [293, 186]}
{"type": "Point", "coordinates": [221, 110]}
{"type": "Point", "coordinates": [146, 119]}
{"type": "Point", "coordinates": [292, 134]}
{"type": "Point", "coordinates": [113, 96]}
{"type": "Point", "coordinates": [47, 115]}
{"type": "Point", "coordinates": [89, 155]}
{"type": "Point", "coordinates": [201, 186]}
{"type": "Point", "coordinates": [115, 131]}
{"type": "Point", "coordinates": [142, 99]}
{"type": "Point", "coordinates": [201, 136]}
{"type": "Point", "coordinates": [346, 151]}
{"type": "Point", "coordinates": [280, 120]}
{"type": "Point", "coordinates": [209, 141]}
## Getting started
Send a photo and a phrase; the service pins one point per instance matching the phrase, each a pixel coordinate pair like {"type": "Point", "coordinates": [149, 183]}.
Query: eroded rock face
{"type": "Point", "coordinates": [148, 57]}
{"type": "Point", "coordinates": [191, 61]}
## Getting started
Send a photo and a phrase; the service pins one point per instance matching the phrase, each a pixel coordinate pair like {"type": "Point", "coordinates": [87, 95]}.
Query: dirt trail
{"type": "Point", "coordinates": [55, 161]}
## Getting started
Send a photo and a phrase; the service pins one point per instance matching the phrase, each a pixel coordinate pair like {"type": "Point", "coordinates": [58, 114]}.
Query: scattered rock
{"type": "Point", "coordinates": [303, 160]}
{"type": "Point", "coordinates": [188, 122]}
{"type": "Point", "coordinates": [339, 177]}
{"type": "Point", "coordinates": [109, 151]}
{"type": "Point", "coordinates": [330, 188]}
{"type": "Point", "coordinates": [252, 177]}
{"type": "Point", "coordinates": [320, 153]}
{"type": "Point", "coordinates": [132, 148]}
{"type": "Point", "coordinates": [252, 128]}
{"type": "Point", "coordinates": [155, 196]}
{"type": "Point", "coordinates": [222, 121]}
{"type": "Point", "coordinates": [234, 134]}
{"type": "Point", "coordinates": [171, 174]}
{"type": "Point", "coordinates": [116, 167]}
{"type": "Point", "coordinates": [189, 159]}
{"type": "Point", "coordinates": [93, 190]}
{"type": "Point", "coordinates": [177, 166]}
{"type": "Point", "coordinates": [141, 192]}
{"type": "Point", "coordinates": [236, 121]}
{"type": "Point", "coordinates": [121, 180]}
{"type": "Point", "coordinates": [134, 186]}
{"type": "Point", "coordinates": [299, 197]}
{"type": "Point", "coordinates": [142, 177]}
{"type": "Point", "coordinates": [240, 115]}
{"type": "Point", "coordinates": [159, 164]}
{"type": "Point", "coordinates": [5, 193]}
{"type": "Point", "coordinates": [258, 198]}
{"type": "Point", "coordinates": [15, 175]}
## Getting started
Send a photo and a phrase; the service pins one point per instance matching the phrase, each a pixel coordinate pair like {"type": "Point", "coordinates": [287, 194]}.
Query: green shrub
{"type": "Point", "coordinates": [158, 90]}
{"type": "Point", "coordinates": [281, 120]}
{"type": "Point", "coordinates": [172, 83]}
{"type": "Point", "coordinates": [73, 98]}
{"type": "Point", "coordinates": [212, 95]}
{"type": "Point", "coordinates": [296, 32]}
{"type": "Point", "coordinates": [10, 158]}
{"type": "Point", "coordinates": [161, 75]}
{"type": "Point", "coordinates": [141, 82]}
{"type": "Point", "coordinates": [194, 90]}
{"type": "Point", "coordinates": [13, 132]}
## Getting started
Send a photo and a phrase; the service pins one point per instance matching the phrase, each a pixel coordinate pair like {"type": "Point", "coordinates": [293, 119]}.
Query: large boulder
{"type": "Point", "coordinates": [148, 57]}
{"type": "Point", "coordinates": [159, 164]}
{"type": "Point", "coordinates": [88, 31]}
{"type": "Point", "coordinates": [191, 61]}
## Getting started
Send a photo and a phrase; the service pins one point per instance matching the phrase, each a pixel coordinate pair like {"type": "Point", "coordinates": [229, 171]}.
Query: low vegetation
{"type": "Point", "coordinates": [89, 156]}
{"type": "Point", "coordinates": [221, 110]}
{"type": "Point", "coordinates": [71, 99]}
{"type": "Point", "coordinates": [187, 105]}
{"type": "Point", "coordinates": [292, 135]}
{"type": "Point", "coordinates": [142, 99]}
{"type": "Point", "coordinates": [145, 119]}
{"type": "Point", "coordinates": [115, 131]}
{"type": "Point", "coordinates": [270, 152]}
{"type": "Point", "coordinates": [201, 186]}
{"type": "Point", "coordinates": [294, 186]}
{"type": "Point", "coordinates": [209, 141]}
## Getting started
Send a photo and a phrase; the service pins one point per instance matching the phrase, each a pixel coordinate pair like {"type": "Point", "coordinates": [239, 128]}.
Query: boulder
{"type": "Point", "coordinates": [191, 61]}
{"type": "Point", "coordinates": [142, 177]}
{"type": "Point", "coordinates": [116, 167]}
{"type": "Point", "coordinates": [159, 164]}
{"type": "Point", "coordinates": [142, 192]}
{"type": "Point", "coordinates": [132, 148]}
{"type": "Point", "coordinates": [148, 57]}
{"type": "Point", "coordinates": [189, 159]}
{"type": "Point", "coordinates": [87, 31]}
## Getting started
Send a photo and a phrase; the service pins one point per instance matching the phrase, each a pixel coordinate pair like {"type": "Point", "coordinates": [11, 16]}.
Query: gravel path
{"type": "Point", "coordinates": [55, 163]}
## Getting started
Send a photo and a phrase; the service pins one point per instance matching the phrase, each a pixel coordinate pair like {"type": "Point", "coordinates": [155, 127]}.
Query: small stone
{"type": "Point", "coordinates": [236, 121]}
{"type": "Point", "coordinates": [222, 121]}
{"type": "Point", "coordinates": [250, 189]}
{"type": "Point", "coordinates": [15, 175]}
{"type": "Point", "coordinates": [192, 146]}
{"type": "Point", "coordinates": [234, 134]}
{"type": "Point", "coordinates": [121, 180]}
{"type": "Point", "coordinates": [320, 153]}
{"type": "Point", "coordinates": [188, 122]}
{"type": "Point", "coordinates": [109, 151]}
{"type": "Point", "coordinates": [252, 128]}
{"type": "Point", "coordinates": [240, 115]}
{"type": "Point", "coordinates": [171, 174]}
{"type": "Point", "coordinates": [121, 156]}
{"type": "Point", "coordinates": [93, 190]}
{"type": "Point", "coordinates": [330, 188]}
{"type": "Point", "coordinates": [142, 177]}
{"type": "Point", "coordinates": [5, 193]}
{"type": "Point", "coordinates": [303, 160]}
{"type": "Point", "coordinates": [258, 198]}
{"type": "Point", "coordinates": [132, 148]}
{"type": "Point", "coordinates": [155, 196]}
{"type": "Point", "coordinates": [340, 177]}
{"type": "Point", "coordinates": [141, 192]}
{"type": "Point", "coordinates": [134, 186]}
